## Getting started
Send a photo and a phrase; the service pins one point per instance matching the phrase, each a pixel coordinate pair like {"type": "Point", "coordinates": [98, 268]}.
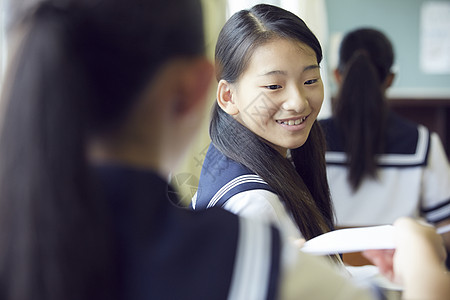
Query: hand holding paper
{"type": "Point", "coordinates": [351, 240]}
{"type": "Point", "coordinates": [355, 240]}
{"type": "Point", "coordinates": [417, 249]}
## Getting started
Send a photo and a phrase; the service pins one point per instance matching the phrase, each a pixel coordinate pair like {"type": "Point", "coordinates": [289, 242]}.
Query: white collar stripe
{"type": "Point", "coordinates": [253, 260]}
{"type": "Point", "coordinates": [438, 214]}
{"type": "Point", "coordinates": [250, 178]}
{"type": "Point", "coordinates": [392, 159]}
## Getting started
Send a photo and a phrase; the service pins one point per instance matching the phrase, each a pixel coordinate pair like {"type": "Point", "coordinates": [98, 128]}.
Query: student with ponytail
{"type": "Point", "coordinates": [380, 166]}
{"type": "Point", "coordinates": [101, 100]}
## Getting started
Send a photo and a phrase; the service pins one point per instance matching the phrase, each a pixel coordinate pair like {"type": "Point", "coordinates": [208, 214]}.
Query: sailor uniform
{"type": "Point", "coordinates": [166, 252]}
{"type": "Point", "coordinates": [413, 177]}
{"type": "Point", "coordinates": [232, 186]}
{"type": "Point", "coordinates": [222, 178]}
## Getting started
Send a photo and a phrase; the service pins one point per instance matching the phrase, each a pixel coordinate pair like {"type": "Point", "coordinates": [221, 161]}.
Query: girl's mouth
{"type": "Point", "coordinates": [292, 122]}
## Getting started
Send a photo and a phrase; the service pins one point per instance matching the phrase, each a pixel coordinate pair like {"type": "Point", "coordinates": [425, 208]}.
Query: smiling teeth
{"type": "Point", "coordinates": [292, 122]}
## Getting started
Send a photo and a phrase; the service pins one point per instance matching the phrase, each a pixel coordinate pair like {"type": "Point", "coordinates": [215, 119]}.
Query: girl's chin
{"type": "Point", "coordinates": [296, 145]}
{"type": "Point", "coordinates": [282, 149]}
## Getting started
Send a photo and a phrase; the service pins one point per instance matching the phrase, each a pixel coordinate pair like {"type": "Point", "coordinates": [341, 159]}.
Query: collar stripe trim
{"type": "Point", "coordinates": [392, 159]}
{"type": "Point", "coordinates": [232, 184]}
{"type": "Point", "coordinates": [253, 261]}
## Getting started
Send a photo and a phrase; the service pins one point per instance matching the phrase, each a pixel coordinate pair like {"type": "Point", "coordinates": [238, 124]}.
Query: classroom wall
{"type": "Point", "coordinates": [400, 21]}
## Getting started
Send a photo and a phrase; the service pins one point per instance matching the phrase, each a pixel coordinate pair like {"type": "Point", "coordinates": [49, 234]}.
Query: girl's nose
{"type": "Point", "coordinates": [296, 101]}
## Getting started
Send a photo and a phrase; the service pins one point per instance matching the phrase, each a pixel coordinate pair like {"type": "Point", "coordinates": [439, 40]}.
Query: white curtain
{"type": "Point", "coordinates": [8, 10]}
{"type": "Point", "coordinates": [3, 47]}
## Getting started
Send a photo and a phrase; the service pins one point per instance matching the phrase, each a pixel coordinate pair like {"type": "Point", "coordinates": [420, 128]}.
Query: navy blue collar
{"type": "Point", "coordinates": [407, 143]}
{"type": "Point", "coordinates": [221, 178]}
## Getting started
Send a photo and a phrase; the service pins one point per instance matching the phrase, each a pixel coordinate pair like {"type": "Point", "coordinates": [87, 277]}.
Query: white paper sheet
{"type": "Point", "coordinates": [351, 240]}
{"type": "Point", "coordinates": [435, 37]}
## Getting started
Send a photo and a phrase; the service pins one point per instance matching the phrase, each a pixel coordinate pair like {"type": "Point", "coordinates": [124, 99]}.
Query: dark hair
{"type": "Point", "coordinates": [365, 60]}
{"type": "Point", "coordinates": [304, 189]}
{"type": "Point", "coordinates": [80, 67]}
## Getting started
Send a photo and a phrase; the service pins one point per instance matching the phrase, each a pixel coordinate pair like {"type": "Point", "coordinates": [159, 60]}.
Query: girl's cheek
{"type": "Point", "coordinates": [317, 98]}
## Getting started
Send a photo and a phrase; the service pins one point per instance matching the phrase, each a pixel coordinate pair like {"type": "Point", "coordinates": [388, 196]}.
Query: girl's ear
{"type": "Point", "coordinates": [225, 98]}
{"type": "Point", "coordinates": [337, 76]}
{"type": "Point", "coordinates": [195, 80]}
{"type": "Point", "coordinates": [389, 80]}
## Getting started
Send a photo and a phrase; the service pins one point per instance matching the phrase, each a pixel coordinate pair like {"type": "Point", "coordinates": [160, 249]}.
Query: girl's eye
{"type": "Point", "coordinates": [273, 86]}
{"type": "Point", "coordinates": [312, 81]}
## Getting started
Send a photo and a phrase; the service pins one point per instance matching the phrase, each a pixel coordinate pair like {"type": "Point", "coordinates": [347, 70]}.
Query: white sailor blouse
{"type": "Point", "coordinates": [228, 184]}
{"type": "Point", "coordinates": [413, 177]}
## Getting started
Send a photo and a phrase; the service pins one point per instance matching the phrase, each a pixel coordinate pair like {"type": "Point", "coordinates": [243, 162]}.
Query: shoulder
{"type": "Point", "coordinates": [333, 136]}
{"type": "Point", "coordinates": [258, 203]}
{"type": "Point", "coordinates": [265, 206]}
{"type": "Point", "coordinates": [250, 249]}
{"type": "Point", "coordinates": [258, 261]}
{"type": "Point", "coordinates": [404, 136]}
{"type": "Point", "coordinates": [437, 158]}
{"type": "Point", "coordinates": [246, 252]}
{"type": "Point", "coordinates": [221, 178]}
{"type": "Point", "coordinates": [436, 147]}
{"type": "Point", "coordinates": [407, 143]}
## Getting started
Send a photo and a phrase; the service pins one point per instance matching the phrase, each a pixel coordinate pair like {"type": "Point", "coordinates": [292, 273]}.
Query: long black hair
{"type": "Point", "coordinates": [304, 189]}
{"type": "Point", "coordinates": [80, 66]}
{"type": "Point", "coordinates": [365, 60]}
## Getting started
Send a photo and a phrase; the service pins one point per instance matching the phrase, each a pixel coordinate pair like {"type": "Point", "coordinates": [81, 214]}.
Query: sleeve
{"type": "Point", "coordinates": [267, 266]}
{"type": "Point", "coordinates": [265, 206]}
{"type": "Point", "coordinates": [254, 204]}
{"type": "Point", "coordinates": [436, 183]}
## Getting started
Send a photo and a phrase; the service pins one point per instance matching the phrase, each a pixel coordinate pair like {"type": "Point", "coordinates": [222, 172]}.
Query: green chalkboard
{"type": "Point", "coordinates": [400, 20]}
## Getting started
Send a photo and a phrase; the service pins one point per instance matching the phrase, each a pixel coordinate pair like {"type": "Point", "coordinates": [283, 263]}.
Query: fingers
{"type": "Point", "coordinates": [410, 232]}
{"type": "Point", "coordinates": [299, 242]}
{"type": "Point", "coordinates": [383, 259]}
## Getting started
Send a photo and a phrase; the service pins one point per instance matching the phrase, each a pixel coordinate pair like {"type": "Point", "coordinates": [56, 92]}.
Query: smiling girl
{"type": "Point", "coordinates": [266, 159]}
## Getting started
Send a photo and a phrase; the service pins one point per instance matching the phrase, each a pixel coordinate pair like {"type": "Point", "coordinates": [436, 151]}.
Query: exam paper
{"type": "Point", "coordinates": [351, 240]}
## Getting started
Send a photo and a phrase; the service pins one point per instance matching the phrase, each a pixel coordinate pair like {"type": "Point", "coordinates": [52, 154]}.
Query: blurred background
{"type": "Point", "coordinates": [418, 29]}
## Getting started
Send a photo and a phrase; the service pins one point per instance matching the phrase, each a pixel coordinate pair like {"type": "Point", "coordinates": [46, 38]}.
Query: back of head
{"type": "Point", "coordinates": [365, 61]}
{"type": "Point", "coordinates": [372, 42]}
{"type": "Point", "coordinates": [80, 68]}
{"type": "Point", "coordinates": [305, 191]}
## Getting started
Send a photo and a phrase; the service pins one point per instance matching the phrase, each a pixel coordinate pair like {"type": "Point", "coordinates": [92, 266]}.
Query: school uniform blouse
{"type": "Point", "coordinates": [167, 252]}
{"type": "Point", "coordinates": [232, 186]}
{"type": "Point", "coordinates": [413, 177]}
{"type": "Point", "coordinates": [228, 184]}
